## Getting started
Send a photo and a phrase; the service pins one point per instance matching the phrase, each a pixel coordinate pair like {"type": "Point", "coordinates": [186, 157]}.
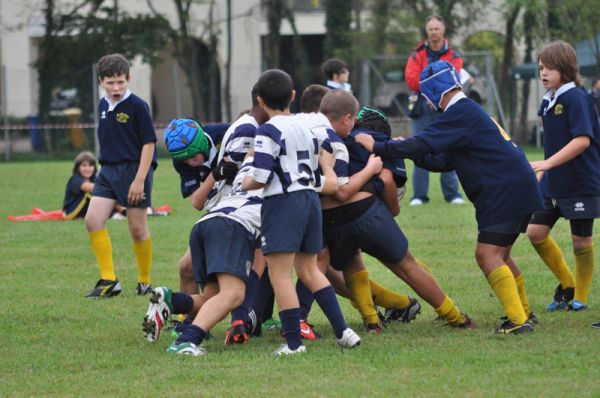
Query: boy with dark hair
{"type": "Point", "coordinates": [337, 74]}
{"type": "Point", "coordinates": [495, 175]}
{"type": "Point", "coordinates": [128, 158]}
{"type": "Point", "coordinates": [310, 101]}
{"type": "Point", "coordinates": [286, 164]}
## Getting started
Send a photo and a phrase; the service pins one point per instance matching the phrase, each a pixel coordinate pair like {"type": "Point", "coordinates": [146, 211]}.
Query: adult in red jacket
{"type": "Point", "coordinates": [435, 48]}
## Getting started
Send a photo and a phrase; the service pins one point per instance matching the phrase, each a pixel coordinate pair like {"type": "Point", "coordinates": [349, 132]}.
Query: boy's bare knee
{"type": "Point", "coordinates": [185, 268]}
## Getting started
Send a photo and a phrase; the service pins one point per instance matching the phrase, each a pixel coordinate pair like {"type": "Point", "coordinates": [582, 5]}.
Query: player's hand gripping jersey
{"type": "Point", "coordinates": [329, 141]}
{"type": "Point", "coordinates": [237, 141]}
{"type": "Point", "coordinates": [240, 206]}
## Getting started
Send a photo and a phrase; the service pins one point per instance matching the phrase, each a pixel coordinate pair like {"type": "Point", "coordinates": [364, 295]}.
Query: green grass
{"type": "Point", "coordinates": [53, 342]}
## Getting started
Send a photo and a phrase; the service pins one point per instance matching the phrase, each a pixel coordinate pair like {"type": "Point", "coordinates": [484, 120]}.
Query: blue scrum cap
{"type": "Point", "coordinates": [185, 138]}
{"type": "Point", "coordinates": [437, 79]}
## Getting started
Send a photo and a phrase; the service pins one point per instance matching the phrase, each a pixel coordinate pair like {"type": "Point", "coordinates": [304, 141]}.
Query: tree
{"type": "Point", "coordinates": [513, 10]}
{"type": "Point", "coordinates": [338, 36]}
{"type": "Point", "coordinates": [276, 11]}
{"type": "Point", "coordinates": [197, 58]}
{"type": "Point", "coordinates": [78, 34]}
{"type": "Point", "coordinates": [457, 15]}
{"type": "Point", "coordinates": [584, 14]}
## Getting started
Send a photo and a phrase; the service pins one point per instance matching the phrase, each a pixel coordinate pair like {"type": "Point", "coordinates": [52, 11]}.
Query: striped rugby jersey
{"type": "Point", "coordinates": [240, 206]}
{"type": "Point", "coordinates": [237, 141]}
{"type": "Point", "coordinates": [321, 127]}
{"type": "Point", "coordinates": [286, 156]}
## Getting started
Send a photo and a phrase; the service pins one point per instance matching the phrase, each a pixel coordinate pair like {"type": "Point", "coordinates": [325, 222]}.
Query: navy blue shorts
{"type": "Point", "coordinates": [292, 222]}
{"type": "Point", "coordinates": [375, 232]}
{"type": "Point", "coordinates": [503, 234]}
{"type": "Point", "coordinates": [220, 245]}
{"type": "Point", "coordinates": [114, 180]}
{"type": "Point", "coordinates": [579, 211]}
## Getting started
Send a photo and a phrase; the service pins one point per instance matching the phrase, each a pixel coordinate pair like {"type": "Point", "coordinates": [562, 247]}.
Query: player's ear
{"type": "Point", "coordinates": [261, 102]}
{"type": "Point", "coordinates": [293, 96]}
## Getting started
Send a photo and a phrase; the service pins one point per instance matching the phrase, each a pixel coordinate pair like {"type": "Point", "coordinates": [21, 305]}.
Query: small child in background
{"type": "Point", "coordinates": [80, 186]}
{"type": "Point", "coordinates": [337, 74]}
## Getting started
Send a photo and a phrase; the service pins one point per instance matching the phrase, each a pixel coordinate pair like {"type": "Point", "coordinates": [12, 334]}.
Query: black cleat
{"type": "Point", "coordinates": [105, 288]}
{"type": "Point", "coordinates": [532, 319]}
{"type": "Point", "coordinates": [561, 298]}
{"type": "Point", "coordinates": [373, 328]}
{"type": "Point", "coordinates": [467, 324]}
{"type": "Point", "coordinates": [405, 314]}
{"type": "Point", "coordinates": [143, 289]}
{"type": "Point", "coordinates": [510, 328]}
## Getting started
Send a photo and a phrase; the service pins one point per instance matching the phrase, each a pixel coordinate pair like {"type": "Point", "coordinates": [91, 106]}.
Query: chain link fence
{"type": "Point", "coordinates": [383, 87]}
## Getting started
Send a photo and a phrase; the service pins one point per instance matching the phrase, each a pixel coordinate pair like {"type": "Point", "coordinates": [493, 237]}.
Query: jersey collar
{"type": "Point", "coordinates": [457, 97]}
{"type": "Point", "coordinates": [552, 100]}
{"type": "Point", "coordinates": [113, 105]}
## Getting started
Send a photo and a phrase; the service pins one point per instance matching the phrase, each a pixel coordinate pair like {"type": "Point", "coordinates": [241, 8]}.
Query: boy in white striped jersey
{"type": "Point", "coordinates": [286, 164]}
{"type": "Point", "coordinates": [223, 263]}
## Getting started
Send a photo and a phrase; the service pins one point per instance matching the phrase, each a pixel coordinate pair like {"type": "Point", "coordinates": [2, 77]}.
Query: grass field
{"type": "Point", "coordinates": [53, 342]}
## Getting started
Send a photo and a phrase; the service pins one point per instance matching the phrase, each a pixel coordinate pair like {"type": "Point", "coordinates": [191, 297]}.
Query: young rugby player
{"type": "Point", "coordinates": [493, 172]}
{"type": "Point", "coordinates": [363, 222]}
{"type": "Point", "coordinates": [128, 158]}
{"type": "Point", "coordinates": [572, 174]}
{"type": "Point", "coordinates": [286, 164]}
{"type": "Point", "coordinates": [221, 266]}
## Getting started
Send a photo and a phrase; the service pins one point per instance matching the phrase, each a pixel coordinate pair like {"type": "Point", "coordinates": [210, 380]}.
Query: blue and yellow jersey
{"type": "Point", "coordinates": [123, 130]}
{"type": "Point", "coordinates": [571, 114]}
{"type": "Point", "coordinates": [359, 158]}
{"type": "Point", "coordinates": [493, 171]}
{"type": "Point", "coordinates": [76, 201]}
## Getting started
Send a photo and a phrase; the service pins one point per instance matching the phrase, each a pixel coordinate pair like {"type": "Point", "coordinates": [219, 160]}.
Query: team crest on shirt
{"type": "Point", "coordinates": [558, 109]}
{"type": "Point", "coordinates": [579, 206]}
{"type": "Point", "coordinates": [122, 117]}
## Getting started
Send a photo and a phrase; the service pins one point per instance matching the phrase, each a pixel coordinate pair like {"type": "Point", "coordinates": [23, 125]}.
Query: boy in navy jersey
{"type": "Point", "coordinates": [493, 172]}
{"type": "Point", "coordinates": [572, 174]}
{"type": "Point", "coordinates": [286, 164]}
{"type": "Point", "coordinates": [128, 158]}
{"type": "Point", "coordinates": [361, 221]}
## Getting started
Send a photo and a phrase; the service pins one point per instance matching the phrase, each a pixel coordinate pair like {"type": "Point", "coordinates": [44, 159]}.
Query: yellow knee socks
{"type": "Point", "coordinates": [522, 295]}
{"type": "Point", "coordinates": [102, 248]}
{"type": "Point", "coordinates": [359, 287]}
{"type": "Point", "coordinates": [550, 253]}
{"type": "Point", "coordinates": [143, 256]}
{"type": "Point", "coordinates": [504, 285]}
{"type": "Point", "coordinates": [450, 313]}
{"type": "Point", "coordinates": [584, 269]}
{"type": "Point", "coordinates": [386, 298]}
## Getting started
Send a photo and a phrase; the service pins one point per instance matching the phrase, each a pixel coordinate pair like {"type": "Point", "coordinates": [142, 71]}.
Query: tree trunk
{"type": "Point", "coordinates": [507, 59]}
{"type": "Point", "coordinates": [228, 65]}
{"type": "Point", "coordinates": [523, 130]}
{"type": "Point", "coordinates": [274, 16]}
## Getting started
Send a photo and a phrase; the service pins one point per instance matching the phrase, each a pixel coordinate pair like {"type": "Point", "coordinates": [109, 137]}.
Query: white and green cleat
{"type": "Point", "coordinates": [187, 348]}
{"type": "Point", "coordinates": [159, 311]}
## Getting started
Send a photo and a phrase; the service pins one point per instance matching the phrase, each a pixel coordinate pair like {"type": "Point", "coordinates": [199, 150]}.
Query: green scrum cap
{"type": "Point", "coordinates": [185, 138]}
